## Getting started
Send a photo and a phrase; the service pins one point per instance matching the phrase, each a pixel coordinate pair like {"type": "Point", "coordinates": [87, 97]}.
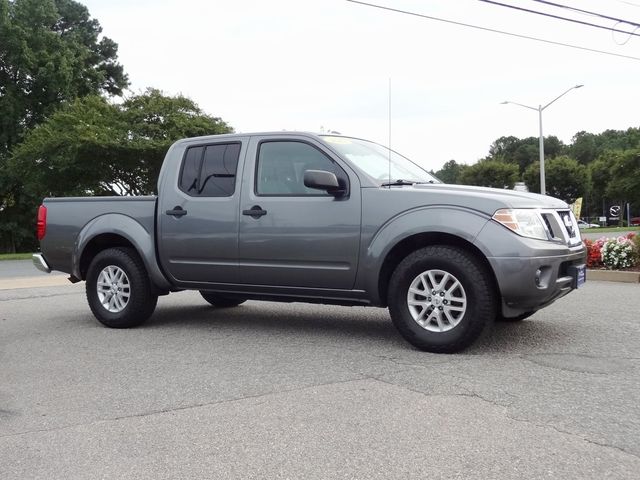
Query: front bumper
{"type": "Point", "coordinates": [531, 283]}
{"type": "Point", "coordinates": [531, 273]}
{"type": "Point", "coordinates": [40, 263]}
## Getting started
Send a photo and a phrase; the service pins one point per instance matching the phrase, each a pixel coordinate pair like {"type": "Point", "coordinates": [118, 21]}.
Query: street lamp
{"type": "Point", "coordinates": [539, 109]}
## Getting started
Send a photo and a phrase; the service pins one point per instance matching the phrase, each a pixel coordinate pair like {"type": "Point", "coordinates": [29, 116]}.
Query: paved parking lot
{"type": "Point", "coordinates": [271, 390]}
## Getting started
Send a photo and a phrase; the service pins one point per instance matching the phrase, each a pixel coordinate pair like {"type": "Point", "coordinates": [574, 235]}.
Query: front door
{"type": "Point", "coordinates": [291, 235]}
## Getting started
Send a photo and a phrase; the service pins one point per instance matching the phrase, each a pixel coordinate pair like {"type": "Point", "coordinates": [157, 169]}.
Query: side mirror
{"type": "Point", "coordinates": [323, 180]}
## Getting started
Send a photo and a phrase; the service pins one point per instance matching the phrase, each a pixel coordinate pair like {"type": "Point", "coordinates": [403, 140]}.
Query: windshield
{"type": "Point", "coordinates": [375, 161]}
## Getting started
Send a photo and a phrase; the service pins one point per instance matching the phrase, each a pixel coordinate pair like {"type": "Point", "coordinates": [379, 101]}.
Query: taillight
{"type": "Point", "coordinates": [42, 222]}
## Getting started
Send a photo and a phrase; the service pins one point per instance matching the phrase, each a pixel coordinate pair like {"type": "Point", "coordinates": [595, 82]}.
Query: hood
{"type": "Point", "coordinates": [484, 199]}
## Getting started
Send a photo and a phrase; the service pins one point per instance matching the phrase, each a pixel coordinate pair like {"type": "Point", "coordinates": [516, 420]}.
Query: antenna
{"type": "Point", "coordinates": [389, 145]}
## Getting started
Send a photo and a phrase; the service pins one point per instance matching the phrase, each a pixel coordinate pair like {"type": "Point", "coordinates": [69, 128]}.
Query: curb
{"type": "Point", "coordinates": [613, 276]}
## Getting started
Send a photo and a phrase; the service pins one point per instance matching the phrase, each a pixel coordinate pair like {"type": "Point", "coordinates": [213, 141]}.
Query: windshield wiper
{"type": "Point", "coordinates": [403, 182]}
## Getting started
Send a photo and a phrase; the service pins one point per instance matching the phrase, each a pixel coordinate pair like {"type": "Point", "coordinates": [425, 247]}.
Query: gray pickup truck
{"type": "Point", "coordinates": [297, 217]}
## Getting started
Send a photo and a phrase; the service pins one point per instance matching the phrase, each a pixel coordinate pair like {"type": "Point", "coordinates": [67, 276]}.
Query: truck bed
{"type": "Point", "coordinates": [68, 216]}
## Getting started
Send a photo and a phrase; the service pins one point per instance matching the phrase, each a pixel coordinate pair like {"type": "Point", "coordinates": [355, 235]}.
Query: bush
{"type": "Point", "coordinates": [636, 244]}
{"type": "Point", "coordinates": [619, 253]}
{"type": "Point", "coordinates": [614, 253]}
{"type": "Point", "coordinates": [594, 256]}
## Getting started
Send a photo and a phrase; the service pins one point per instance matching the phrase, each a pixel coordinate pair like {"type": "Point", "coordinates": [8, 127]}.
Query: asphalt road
{"type": "Point", "coordinates": [21, 269]}
{"type": "Point", "coordinates": [281, 391]}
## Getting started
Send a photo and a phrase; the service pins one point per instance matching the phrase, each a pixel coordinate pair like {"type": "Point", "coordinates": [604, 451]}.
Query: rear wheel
{"type": "Point", "coordinates": [441, 299]}
{"type": "Point", "coordinates": [118, 288]}
{"type": "Point", "coordinates": [222, 301]}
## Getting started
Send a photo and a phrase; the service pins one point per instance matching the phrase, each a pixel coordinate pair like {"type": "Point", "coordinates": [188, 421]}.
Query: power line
{"type": "Point", "coordinates": [606, 17]}
{"type": "Point", "coordinates": [558, 17]}
{"type": "Point", "coordinates": [477, 27]}
{"type": "Point", "coordinates": [629, 3]}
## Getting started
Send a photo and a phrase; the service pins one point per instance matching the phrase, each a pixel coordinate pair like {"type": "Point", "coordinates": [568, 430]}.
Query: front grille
{"type": "Point", "coordinates": [568, 223]}
{"type": "Point", "coordinates": [548, 223]}
{"type": "Point", "coordinates": [562, 226]}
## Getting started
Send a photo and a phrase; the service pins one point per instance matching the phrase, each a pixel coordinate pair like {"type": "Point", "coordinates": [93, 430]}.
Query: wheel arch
{"type": "Point", "coordinates": [98, 244]}
{"type": "Point", "coordinates": [117, 230]}
{"type": "Point", "coordinates": [420, 240]}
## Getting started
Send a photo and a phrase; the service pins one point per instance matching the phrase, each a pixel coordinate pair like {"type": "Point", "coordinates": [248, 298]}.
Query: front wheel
{"type": "Point", "coordinates": [118, 288]}
{"type": "Point", "coordinates": [441, 299]}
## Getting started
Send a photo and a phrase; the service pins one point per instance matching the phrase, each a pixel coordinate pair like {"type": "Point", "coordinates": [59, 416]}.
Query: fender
{"type": "Point", "coordinates": [128, 228]}
{"type": "Point", "coordinates": [446, 219]}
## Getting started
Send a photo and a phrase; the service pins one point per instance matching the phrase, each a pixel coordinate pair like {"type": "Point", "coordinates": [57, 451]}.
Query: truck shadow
{"type": "Point", "coordinates": [358, 325]}
{"type": "Point", "coordinates": [285, 319]}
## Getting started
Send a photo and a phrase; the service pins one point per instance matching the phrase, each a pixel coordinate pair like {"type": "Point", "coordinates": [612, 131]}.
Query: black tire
{"type": "Point", "coordinates": [141, 301]}
{"type": "Point", "coordinates": [517, 318]}
{"type": "Point", "coordinates": [458, 327]}
{"type": "Point", "coordinates": [222, 301]}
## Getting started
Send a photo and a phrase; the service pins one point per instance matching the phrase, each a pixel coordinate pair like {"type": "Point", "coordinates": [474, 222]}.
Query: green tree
{"type": "Point", "coordinates": [50, 53]}
{"type": "Point", "coordinates": [524, 152]}
{"type": "Point", "coordinates": [600, 176]}
{"type": "Point", "coordinates": [490, 173]}
{"type": "Point", "coordinates": [451, 172]}
{"type": "Point", "coordinates": [565, 178]}
{"type": "Point", "coordinates": [504, 147]}
{"type": "Point", "coordinates": [625, 177]}
{"type": "Point", "coordinates": [94, 147]}
{"type": "Point", "coordinates": [583, 147]}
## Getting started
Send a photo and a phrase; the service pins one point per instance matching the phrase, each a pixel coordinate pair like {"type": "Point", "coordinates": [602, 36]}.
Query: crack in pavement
{"type": "Point", "coordinates": [572, 434]}
{"type": "Point", "coordinates": [468, 393]}
{"type": "Point", "coordinates": [31, 297]}
{"type": "Point", "coordinates": [547, 361]}
{"type": "Point", "coordinates": [473, 394]}
{"type": "Point", "coordinates": [178, 409]}
{"type": "Point", "coordinates": [578, 354]}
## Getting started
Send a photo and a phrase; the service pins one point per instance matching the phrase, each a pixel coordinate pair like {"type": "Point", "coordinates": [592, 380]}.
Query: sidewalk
{"type": "Point", "coordinates": [43, 280]}
{"type": "Point", "coordinates": [23, 274]}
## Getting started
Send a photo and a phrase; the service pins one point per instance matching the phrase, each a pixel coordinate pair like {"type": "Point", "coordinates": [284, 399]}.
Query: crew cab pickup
{"type": "Point", "coordinates": [298, 217]}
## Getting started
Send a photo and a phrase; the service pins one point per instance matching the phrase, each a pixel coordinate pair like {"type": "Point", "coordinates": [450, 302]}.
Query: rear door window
{"type": "Point", "coordinates": [210, 170]}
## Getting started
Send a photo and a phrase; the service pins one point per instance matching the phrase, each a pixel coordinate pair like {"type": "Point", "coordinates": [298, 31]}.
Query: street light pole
{"type": "Point", "coordinates": [543, 181]}
{"type": "Point", "coordinates": [539, 109]}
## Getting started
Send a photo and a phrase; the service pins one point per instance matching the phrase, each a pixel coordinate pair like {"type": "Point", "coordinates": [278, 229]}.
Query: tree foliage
{"type": "Point", "coordinates": [451, 172]}
{"type": "Point", "coordinates": [588, 147]}
{"type": "Point", "coordinates": [50, 52]}
{"type": "Point", "coordinates": [565, 178]}
{"type": "Point", "coordinates": [94, 147]}
{"type": "Point", "coordinates": [624, 183]}
{"type": "Point", "coordinates": [601, 155]}
{"type": "Point", "coordinates": [490, 173]}
{"type": "Point", "coordinates": [524, 152]}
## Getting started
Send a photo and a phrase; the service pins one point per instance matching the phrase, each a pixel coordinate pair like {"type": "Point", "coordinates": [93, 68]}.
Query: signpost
{"type": "Point", "coordinates": [613, 219]}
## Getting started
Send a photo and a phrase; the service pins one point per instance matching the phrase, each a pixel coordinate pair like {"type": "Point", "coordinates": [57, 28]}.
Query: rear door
{"type": "Point", "coordinates": [297, 236]}
{"type": "Point", "coordinates": [198, 213]}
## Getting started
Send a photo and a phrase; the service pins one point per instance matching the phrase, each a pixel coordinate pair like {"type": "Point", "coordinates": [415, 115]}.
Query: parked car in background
{"type": "Point", "coordinates": [635, 221]}
{"type": "Point", "coordinates": [582, 224]}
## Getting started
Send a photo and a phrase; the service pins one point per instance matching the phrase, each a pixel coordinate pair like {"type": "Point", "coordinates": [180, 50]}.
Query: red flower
{"type": "Point", "coordinates": [594, 256]}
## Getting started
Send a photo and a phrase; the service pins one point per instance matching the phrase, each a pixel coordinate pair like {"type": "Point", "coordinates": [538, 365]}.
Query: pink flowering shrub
{"type": "Point", "coordinates": [614, 253]}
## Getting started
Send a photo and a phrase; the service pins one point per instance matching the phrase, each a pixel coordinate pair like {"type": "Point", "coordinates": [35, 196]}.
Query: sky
{"type": "Point", "coordinates": [431, 90]}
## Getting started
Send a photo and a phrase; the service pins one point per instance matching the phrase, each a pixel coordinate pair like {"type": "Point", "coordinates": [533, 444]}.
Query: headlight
{"type": "Point", "coordinates": [524, 222]}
